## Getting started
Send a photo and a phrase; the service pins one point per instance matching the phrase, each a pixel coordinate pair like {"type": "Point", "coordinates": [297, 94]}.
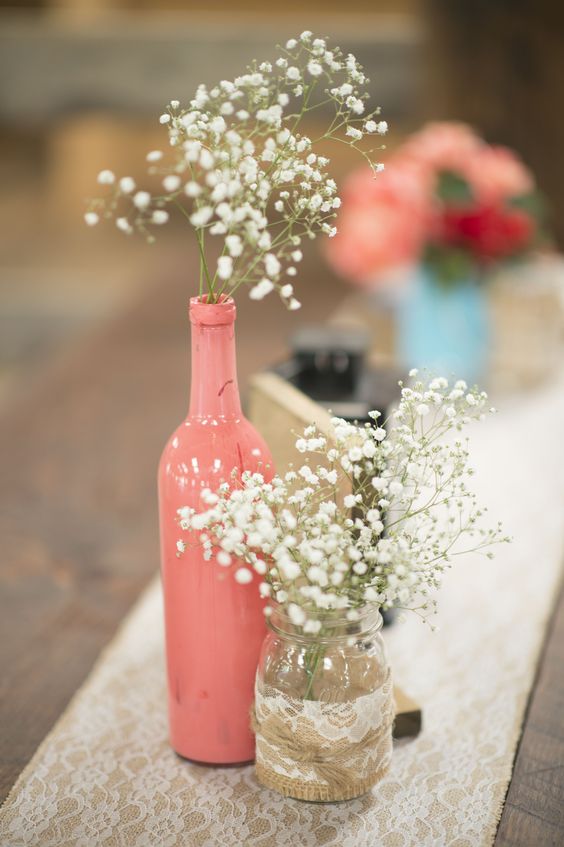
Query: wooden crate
{"type": "Point", "coordinates": [280, 412]}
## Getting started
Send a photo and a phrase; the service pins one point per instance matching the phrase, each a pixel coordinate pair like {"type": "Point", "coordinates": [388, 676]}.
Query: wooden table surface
{"type": "Point", "coordinates": [80, 446]}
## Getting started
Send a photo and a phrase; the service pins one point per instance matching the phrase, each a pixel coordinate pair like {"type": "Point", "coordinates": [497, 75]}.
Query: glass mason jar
{"type": "Point", "coordinates": [324, 706]}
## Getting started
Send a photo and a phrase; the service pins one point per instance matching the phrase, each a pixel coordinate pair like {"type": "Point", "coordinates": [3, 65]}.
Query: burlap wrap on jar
{"type": "Point", "coordinates": [323, 751]}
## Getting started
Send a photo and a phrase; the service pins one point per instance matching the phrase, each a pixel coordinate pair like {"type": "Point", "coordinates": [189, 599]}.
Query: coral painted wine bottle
{"type": "Point", "coordinates": [214, 625]}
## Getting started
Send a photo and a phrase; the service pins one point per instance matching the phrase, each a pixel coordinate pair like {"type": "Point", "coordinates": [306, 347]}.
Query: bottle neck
{"type": "Point", "coordinates": [214, 391]}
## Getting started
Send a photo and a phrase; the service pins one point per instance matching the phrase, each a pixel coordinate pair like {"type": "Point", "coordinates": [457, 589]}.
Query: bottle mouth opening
{"type": "Point", "coordinates": [203, 300]}
{"type": "Point", "coordinates": [222, 312]}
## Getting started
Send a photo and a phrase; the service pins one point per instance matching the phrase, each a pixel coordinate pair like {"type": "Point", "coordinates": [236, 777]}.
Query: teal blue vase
{"type": "Point", "coordinates": [444, 328]}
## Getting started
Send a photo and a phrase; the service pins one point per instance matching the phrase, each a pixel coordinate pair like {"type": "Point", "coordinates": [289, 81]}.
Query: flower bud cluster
{"type": "Point", "coordinates": [241, 169]}
{"type": "Point", "coordinates": [375, 514]}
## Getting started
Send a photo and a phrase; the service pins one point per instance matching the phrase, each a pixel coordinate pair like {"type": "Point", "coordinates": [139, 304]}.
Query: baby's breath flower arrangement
{"type": "Point", "coordinates": [408, 514]}
{"type": "Point", "coordinates": [372, 519]}
{"type": "Point", "coordinates": [242, 170]}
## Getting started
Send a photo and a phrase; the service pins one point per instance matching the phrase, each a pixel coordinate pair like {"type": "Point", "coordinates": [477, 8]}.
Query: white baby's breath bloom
{"type": "Point", "coordinates": [314, 68]}
{"type": "Point", "coordinates": [223, 559]}
{"type": "Point", "coordinates": [355, 105]}
{"type": "Point", "coordinates": [294, 304]}
{"type": "Point", "coordinates": [271, 264]}
{"type": "Point", "coordinates": [224, 267]}
{"type": "Point", "coordinates": [124, 225]}
{"type": "Point", "coordinates": [218, 125]}
{"type": "Point", "coordinates": [234, 244]}
{"type": "Point", "coordinates": [369, 449]}
{"type": "Point", "coordinates": [264, 241]}
{"type": "Point", "coordinates": [259, 291]}
{"type": "Point", "coordinates": [207, 160]}
{"type": "Point", "coordinates": [164, 119]}
{"type": "Point", "coordinates": [159, 217]}
{"type": "Point", "coordinates": [142, 199]}
{"type": "Point", "coordinates": [243, 576]}
{"type": "Point", "coordinates": [154, 156]}
{"type": "Point", "coordinates": [127, 185]}
{"type": "Point", "coordinates": [201, 216]}
{"type": "Point", "coordinates": [296, 614]}
{"type": "Point", "coordinates": [171, 182]}
{"type": "Point", "coordinates": [91, 218]}
{"type": "Point", "coordinates": [354, 133]}
{"type": "Point", "coordinates": [106, 177]}
{"type": "Point", "coordinates": [192, 189]}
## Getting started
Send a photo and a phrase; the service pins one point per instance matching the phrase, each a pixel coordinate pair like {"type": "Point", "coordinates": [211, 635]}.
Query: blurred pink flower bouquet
{"type": "Point", "coordinates": [446, 199]}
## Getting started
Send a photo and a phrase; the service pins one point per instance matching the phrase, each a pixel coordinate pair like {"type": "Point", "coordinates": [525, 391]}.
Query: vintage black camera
{"type": "Point", "coordinates": [329, 364]}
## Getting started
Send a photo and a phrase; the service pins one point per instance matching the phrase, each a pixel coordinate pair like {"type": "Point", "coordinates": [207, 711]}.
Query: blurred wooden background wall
{"type": "Point", "coordinates": [499, 64]}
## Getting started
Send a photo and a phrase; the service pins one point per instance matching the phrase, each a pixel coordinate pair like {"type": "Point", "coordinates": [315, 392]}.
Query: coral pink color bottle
{"type": "Point", "coordinates": [214, 625]}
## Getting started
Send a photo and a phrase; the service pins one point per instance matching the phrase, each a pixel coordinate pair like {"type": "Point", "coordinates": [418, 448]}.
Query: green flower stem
{"type": "Point", "coordinates": [313, 657]}
{"type": "Point", "coordinates": [203, 264]}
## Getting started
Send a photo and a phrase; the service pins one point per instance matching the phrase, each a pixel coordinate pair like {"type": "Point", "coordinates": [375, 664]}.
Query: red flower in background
{"type": "Point", "coordinates": [491, 232]}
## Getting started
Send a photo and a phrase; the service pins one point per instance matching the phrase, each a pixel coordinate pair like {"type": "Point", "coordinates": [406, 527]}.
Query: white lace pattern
{"type": "Point", "coordinates": [342, 726]}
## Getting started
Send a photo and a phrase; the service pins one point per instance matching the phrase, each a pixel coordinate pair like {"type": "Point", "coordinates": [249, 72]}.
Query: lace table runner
{"type": "Point", "coordinates": [106, 777]}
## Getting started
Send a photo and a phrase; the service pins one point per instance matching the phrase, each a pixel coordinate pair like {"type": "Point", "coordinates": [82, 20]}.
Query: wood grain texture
{"type": "Point", "coordinates": [78, 517]}
{"type": "Point", "coordinates": [498, 66]}
{"type": "Point", "coordinates": [533, 815]}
